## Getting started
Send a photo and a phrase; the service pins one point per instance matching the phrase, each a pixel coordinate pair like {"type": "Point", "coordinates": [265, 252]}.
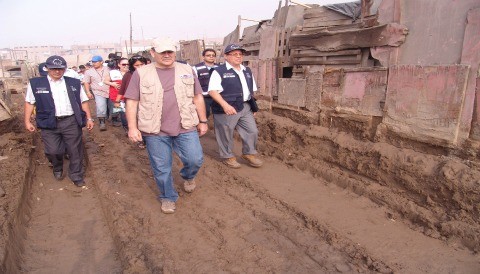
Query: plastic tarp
{"type": "Point", "coordinates": [350, 9]}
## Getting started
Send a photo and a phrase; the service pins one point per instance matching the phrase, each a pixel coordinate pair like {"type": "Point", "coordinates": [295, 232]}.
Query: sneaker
{"type": "Point", "coordinates": [189, 186]}
{"type": "Point", "coordinates": [79, 183]}
{"type": "Point", "coordinates": [116, 123]}
{"type": "Point", "coordinates": [252, 160]}
{"type": "Point", "coordinates": [102, 124]}
{"type": "Point", "coordinates": [232, 162]}
{"type": "Point", "coordinates": [168, 207]}
{"type": "Point", "coordinates": [58, 175]}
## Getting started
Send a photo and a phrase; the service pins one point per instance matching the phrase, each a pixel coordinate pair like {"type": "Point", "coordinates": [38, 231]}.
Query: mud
{"type": "Point", "coordinates": [324, 202]}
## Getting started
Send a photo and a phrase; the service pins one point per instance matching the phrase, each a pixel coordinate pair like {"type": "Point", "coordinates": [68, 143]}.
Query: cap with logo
{"type": "Point", "coordinates": [56, 61]}
{"type": "Point", "coordinates": [233, 47]}
{"type": "Point", "coordinates": [163, 44]}
{"type": "Point", "coordinates": [97, 58]}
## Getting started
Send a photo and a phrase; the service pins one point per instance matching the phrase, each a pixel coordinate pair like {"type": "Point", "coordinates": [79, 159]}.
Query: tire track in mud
{"type": "Point", "coordinates": [66, 231]}
{"type": "Point", "coordinates": [234, 223]}
{"type": "Point", "coordinates": [226, 225]}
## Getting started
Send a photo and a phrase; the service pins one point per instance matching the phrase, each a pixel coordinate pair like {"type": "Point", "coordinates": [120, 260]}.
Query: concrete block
{"type": "Point", "coordinates": [291, 91]}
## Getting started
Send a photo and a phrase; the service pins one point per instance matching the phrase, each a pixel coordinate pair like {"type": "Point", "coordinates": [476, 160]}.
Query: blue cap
{"type": "Point", "coordinates": [56, 61]}
{"type": "Point", "coordinates": [233, 47]}
{"type": "Point", "coordinates": [97, 58]}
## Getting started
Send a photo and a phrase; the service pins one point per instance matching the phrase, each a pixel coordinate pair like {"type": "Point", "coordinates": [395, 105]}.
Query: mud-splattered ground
{"type": "Point", "coordinates": [300, 213]}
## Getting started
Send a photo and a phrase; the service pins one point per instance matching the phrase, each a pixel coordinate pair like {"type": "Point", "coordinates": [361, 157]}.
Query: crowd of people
{"type": "Point", "coordinates": [162, 104]}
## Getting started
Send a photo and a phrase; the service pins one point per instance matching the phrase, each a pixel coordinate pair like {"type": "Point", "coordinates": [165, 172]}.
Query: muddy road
{"type": "Point", "coordinates": [276, 219]}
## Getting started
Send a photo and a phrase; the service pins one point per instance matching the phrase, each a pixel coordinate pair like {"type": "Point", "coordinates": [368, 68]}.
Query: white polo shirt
{"type": "Point", "coordinates": [216, 81]}
{"type": "Point", "coordinates": [60, 96]}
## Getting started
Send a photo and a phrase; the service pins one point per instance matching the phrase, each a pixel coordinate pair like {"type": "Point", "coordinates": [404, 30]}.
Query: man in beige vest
{"type": "Point", "coordinates": [165, 107]}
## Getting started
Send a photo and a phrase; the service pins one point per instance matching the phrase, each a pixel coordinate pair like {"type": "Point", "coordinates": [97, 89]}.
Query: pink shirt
{"type": "Point", "coordinates": [171, 121]}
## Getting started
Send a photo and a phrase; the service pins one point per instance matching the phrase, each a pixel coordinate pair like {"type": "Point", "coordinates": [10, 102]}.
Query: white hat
{"type": "Point", "coordinates": [163, 44]}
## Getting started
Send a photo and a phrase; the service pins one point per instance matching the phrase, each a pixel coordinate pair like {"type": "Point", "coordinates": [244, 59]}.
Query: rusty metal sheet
{"type": "Point", "coordinates": [356, 91]}
{"type": "Point", "coordinates": [391, 34]}
{"type": "Point", "coordinates": [471, 56]}
{"type": "Point", "coordinates": [424, 103]}
{"type": "Point", "coordinates": [436, 30]}
{"type": "Point", "coordinates": [291, 92]}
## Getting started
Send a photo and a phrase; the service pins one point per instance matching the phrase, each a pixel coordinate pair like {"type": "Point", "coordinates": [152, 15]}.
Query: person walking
{"type": "Point", "coordinates": [114, 81]}
{"type": "Point", "coordinates": [61, 112]}
{"type": "Point", "coordinates": [232, 86]}
{"type": "Point", "coordinates": [134, 62]}
{"type": "Point", "coordinates": [164, 104]}
{"type": "Point", "coordinates": [94, 85]}
{"type": "Point", "coordinates": [203, 71]}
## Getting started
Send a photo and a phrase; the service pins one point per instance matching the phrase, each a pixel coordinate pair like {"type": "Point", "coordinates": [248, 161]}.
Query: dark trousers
{"type": "Point", "coordinates": [208, 104]}
{"type": "Point", "coordinates": [67, 135]}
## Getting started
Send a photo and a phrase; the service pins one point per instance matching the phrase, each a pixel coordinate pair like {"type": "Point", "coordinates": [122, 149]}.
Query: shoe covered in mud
{"type": "Point", "coordinates": [79, 183]}
{"type": "Point", "coordinates": [232, 162]}
{"type": "Point", "coordinates": [102, 124]}
{"type": "Point", "coordinates": [252, 160]}
{"type": "Point", "coordinates": [189, 186]}
{"type": "Point", "coordinates": [116, 123]}
{"type": "Point", "coordinates": [168, 207]}
{"type": "Point", "coordinates": [58, 175]}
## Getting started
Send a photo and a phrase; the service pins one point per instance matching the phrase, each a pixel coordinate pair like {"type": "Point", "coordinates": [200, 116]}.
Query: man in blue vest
{"type": "Point", "coordinates": [231, 87]}
{"type": "Point", "coordinates": [61, 112]}
{"type": "Point", "coordinates": [203, 71]}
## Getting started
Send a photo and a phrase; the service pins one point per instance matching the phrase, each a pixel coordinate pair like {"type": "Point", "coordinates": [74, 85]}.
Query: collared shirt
{"type": "Point", "coordinates": [95, 78]}
{"type": "Point", "coordinates": [60, 96]}
{"type": "Point", "coordinates": [216, 81]}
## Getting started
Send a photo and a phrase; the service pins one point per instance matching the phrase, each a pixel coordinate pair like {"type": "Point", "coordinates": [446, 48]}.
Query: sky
{"type": "Point", "coordinates": [66, 22]}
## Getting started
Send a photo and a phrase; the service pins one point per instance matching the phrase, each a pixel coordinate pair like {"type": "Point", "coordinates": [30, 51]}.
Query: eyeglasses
{"type": "Point", "coordinates": [123, 64]}
{"type": "Point", "coordinates": [210, 55]}
{"type": "Point", "coordinates": [236, 54]}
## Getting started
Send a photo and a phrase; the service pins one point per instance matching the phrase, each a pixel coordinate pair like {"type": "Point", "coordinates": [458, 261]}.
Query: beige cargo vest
{"type": "Point", "coordinates": [151, 98]}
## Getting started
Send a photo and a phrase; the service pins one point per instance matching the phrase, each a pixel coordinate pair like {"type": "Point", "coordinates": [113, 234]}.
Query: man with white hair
{"type": "Point", "coordinates": [164, 106]}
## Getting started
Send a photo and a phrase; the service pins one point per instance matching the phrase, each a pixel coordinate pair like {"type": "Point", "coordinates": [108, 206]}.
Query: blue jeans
{"type": "Point", "coordinates": [102, 103]}
{"type": "Point", "coordinates": [160, 148]}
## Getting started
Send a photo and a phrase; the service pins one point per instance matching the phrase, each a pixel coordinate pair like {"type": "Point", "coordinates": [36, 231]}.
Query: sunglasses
{"type": "Point", "coordinates": [123, 64]}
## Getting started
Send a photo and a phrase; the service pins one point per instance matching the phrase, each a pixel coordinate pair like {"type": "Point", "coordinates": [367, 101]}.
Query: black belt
{"type": "Point", "coordinates": [63, 117]}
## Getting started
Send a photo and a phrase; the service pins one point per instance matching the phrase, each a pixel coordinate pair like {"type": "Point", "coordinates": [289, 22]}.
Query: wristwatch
{"type": "Point", "coordinates": [90, 119]}
{"type": "Point", "coordinates": [203, 122]}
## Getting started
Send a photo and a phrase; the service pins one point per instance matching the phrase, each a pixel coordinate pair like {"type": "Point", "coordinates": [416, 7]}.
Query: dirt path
{"type": "Point", "coordinates": [67, 232]}
{"type": "Point", "coordinates": [273, 219]}
{"type": "Point", "coordinates": [270, 219]}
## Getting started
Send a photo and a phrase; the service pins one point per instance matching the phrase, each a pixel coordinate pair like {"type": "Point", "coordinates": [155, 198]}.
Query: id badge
{"type": "Point", "coordinates": [100, 84]}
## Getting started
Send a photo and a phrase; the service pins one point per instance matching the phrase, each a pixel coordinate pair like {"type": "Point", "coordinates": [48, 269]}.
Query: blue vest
{"type": "Point", "coordinates": [232, 88]}
{"type": "Point", "coordinates": [204, 74]}
{"type": "Point", "coordinates": [46, 106]}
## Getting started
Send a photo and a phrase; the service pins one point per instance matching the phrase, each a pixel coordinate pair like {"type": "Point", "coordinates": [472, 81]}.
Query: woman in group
{"type": "Point", "coordinates": [114, 80]}
{"type": "Point", "coordinates": [134, 62]}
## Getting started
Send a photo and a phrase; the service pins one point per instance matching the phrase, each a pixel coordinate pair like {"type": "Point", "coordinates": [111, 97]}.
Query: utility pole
{"type": "Point", "coordinates": [131, 37]}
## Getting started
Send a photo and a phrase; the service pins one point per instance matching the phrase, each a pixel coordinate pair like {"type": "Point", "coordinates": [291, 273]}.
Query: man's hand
{"type": "Point", "coordinates": [228, 109]}
{"type": "Point", "coordinates": [29, 126]}
{"type": "Point", "coordinates": [90, 95]}
{"type": "Point", "coordinates": [90, 125]}
{"type": "Point", "coordinates": [134, 135]}
{"type": "Point", "coordinates": [202, 128]}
